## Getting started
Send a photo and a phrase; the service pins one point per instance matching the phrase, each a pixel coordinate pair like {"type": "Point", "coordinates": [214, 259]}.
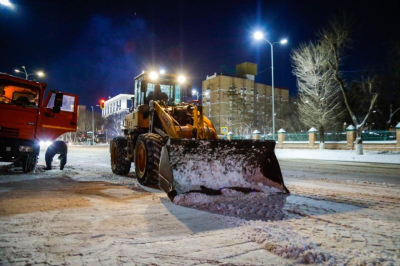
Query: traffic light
{"type": "Point", "coordinates": [102, 103]}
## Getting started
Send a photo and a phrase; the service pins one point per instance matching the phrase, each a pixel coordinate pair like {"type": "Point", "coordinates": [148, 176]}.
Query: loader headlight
{"type": "Point", "coordinates": [181, 79]}
{"type": "Point", "coordinates": [46, 143]}
{"type": "Point", "coordinates": [153, 75]}
{"type": "Point", "coordinates": [25, 148]}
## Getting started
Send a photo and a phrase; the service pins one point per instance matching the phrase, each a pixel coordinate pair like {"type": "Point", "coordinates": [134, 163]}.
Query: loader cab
{"type": "Point", "coordinates": [166, 88]}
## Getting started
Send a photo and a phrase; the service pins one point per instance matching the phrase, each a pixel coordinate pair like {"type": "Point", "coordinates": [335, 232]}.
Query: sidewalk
{"type": "Point", "coordinates": [339, 155]}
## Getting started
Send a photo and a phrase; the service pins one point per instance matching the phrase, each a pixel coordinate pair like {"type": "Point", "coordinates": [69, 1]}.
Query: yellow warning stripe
{"type": "Point", "coordinates": [66, 128]}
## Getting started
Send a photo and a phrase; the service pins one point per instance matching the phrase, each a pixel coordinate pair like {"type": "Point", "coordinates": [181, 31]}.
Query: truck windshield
{"type": "Point", "coordinates": [171, 94]}
{"type": "Point", "coordinates": [15, 95]}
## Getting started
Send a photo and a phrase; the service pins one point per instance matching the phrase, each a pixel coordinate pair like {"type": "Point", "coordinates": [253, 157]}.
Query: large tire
{"type": "Point", "coordinates": [147, 158]}
{"type": "Point", "coordinates": [119, 165]}
{"type": "Point", "coordinates": [29, 162]}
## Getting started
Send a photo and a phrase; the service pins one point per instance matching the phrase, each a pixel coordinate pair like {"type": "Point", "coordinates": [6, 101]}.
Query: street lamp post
{"type": "Point", "coordinates": [258, 36]}
{"type": "Point", "coordinates": [40, 73]}
{"type": "Point", "coordinates": [92, 126]}
{"type": "Point", "coordinates": [197, 94]}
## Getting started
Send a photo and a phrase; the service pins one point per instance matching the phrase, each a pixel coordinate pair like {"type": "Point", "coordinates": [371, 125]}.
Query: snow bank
{"type": "Point", "coordinates": [339, 155]}
{"type": "Point", "coordinates": [252, 206]}
{"type": "Point", "coordinates": [282, 240]}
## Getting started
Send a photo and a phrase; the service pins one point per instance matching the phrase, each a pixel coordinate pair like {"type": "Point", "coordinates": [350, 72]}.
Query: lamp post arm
{"type": "Point", "coordinates": [268, 42]}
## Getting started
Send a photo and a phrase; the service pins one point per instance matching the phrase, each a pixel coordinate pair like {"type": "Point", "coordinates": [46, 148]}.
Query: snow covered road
{"type": "Point", "coordinates": [55, 218]}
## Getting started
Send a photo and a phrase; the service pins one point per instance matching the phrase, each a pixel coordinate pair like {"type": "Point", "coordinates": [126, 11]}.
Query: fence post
{"type": "Point", "coordinates": [256, 135]}
{"type": "Point", "coordinates": [350, 136]}
{"type": "Point", "coordinates": [398, 136]}
{"type": "Point", "coordinates": [229, 136]}
{"type": "Point", "coordinates": [312, 137]}
{"type": "Point", "coordinates": [281, 137]}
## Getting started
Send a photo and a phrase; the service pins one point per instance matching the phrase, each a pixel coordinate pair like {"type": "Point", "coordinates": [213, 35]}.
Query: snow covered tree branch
{"type": "Point", "coordinates": [336, 38]}
{"type": "Point", "coordinates": [319, 104]}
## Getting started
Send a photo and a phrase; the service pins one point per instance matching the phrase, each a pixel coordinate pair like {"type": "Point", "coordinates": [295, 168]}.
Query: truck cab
{"type": "Point", "coordinates": [27, 118]}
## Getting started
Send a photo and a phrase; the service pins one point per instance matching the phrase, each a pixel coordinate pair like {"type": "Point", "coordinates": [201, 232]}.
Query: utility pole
{"type": "Point", "coordinates": [92, 126]}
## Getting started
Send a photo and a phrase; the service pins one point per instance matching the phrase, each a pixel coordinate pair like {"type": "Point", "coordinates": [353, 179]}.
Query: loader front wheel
{"type": "Point", "coordinates": [147, 158]}
{"type": "Point", "coordinates": [119, 164]}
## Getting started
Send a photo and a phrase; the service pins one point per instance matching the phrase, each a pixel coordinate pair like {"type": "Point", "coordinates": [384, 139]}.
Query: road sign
{"type": "Point", "coordinates": [224, 130]}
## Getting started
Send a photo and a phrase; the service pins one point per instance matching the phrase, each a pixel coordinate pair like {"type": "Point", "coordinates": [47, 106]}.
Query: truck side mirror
{"type": "Point", "coordinates": [58, 101]}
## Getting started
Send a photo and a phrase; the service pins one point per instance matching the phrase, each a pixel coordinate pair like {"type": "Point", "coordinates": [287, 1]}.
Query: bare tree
{"type": "Point", "coordinates": [336, 38]}
{"type": "Point", "coordinates": [391, 89]}
{"type": "Point", "coordinates": [243, 129]}
{"type": "Point", "coordinates": [319, 102]}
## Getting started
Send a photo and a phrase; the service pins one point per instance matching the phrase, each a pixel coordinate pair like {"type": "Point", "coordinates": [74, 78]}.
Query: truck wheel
{"type": "Point", "coordinates": [119, 165]}
{"type": "Point", "coordinates": [147, 158]}
{"type": "Point", "coordinates": [29, 163]}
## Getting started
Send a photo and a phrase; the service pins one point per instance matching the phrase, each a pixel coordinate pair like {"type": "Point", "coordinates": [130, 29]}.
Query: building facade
{"type": "Point", "coordinates": [240, 104]}
{"type": "Point", "coordinates": [117, 104]}
{"type": "Point", "coordinates": [114, 112]}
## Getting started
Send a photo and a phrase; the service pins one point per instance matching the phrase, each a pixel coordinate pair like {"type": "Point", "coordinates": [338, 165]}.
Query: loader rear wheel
{"type": "Point", "coordinates": [119, 165]}
{"type": "Point", "coordinates": [147, 158]}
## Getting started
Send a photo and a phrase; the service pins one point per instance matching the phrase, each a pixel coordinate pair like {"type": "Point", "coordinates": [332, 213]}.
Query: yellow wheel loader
{"type": "Point", "coordinates": [172, 144]}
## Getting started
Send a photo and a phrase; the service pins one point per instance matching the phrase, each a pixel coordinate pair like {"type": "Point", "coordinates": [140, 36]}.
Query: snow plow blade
{"type": "Point", "coordinates": [208, 166]}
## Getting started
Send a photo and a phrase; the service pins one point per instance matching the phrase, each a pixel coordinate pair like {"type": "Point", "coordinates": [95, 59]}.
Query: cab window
{"type": "Point", "coordinates": [15, 95]}
{"type": "Point", "coordinates": [67, 105]}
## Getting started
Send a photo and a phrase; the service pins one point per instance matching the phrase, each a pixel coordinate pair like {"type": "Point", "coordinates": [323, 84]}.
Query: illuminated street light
{"type": "Point", "coordinates": [5, 3]}
{"type": "Point", "coordinates": [40, 73]}
{"type": "Point", "coordinates": [258, 36]}
{"type": "Point", "coordinates": [162, 71]}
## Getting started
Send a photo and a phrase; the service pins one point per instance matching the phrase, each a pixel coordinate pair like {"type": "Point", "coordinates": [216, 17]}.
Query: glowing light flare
{"type": "Point", "coordinates": [40, 73]}
{"type": "Point", "coordinates": [5, 3]}
{"type": "Point", "coordinates": [45, 143]}
{"type": "Point", "coordinates": [181, 79]}
{"type": "Point", "coordinates": [258, 35]}
{"type": "Point", "coordinates": [283, 41]}
{"type": "Point", "coordinates": [153, 75]}
{"type": "Point", "coordinates": [162, 71]}
{"type": "Point", "coordinates": [194, 92]}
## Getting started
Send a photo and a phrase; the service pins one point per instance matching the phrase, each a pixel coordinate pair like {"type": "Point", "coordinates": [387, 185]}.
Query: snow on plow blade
{"type": "Point", "coordinates": [208, 166]}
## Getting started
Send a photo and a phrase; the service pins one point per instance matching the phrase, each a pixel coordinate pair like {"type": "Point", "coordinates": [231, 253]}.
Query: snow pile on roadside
{"type": "Point", "coordinates": [253, 206]}
{"type": "Point", "coordinates": [282, 240]}
{"type": "Point", "coordinates": [339, 155]}
{"type": "Point", "coordinates": [217, 167]}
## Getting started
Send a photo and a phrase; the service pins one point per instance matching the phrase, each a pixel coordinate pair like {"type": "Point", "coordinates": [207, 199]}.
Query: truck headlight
{"type": "Point", "coordinates": [25, 148]}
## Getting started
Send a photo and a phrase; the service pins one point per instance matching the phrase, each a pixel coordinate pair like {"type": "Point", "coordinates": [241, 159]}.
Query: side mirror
{"type": "Point", "coordinates": [58, 101]}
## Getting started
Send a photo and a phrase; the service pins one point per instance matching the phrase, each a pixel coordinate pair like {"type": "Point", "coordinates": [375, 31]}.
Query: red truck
{"type": "Point", "coordinates": [27, 118]}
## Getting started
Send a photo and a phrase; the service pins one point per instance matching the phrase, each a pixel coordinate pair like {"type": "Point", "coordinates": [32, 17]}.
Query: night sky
{"type": "Point", "coordinates": [96, 48]}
